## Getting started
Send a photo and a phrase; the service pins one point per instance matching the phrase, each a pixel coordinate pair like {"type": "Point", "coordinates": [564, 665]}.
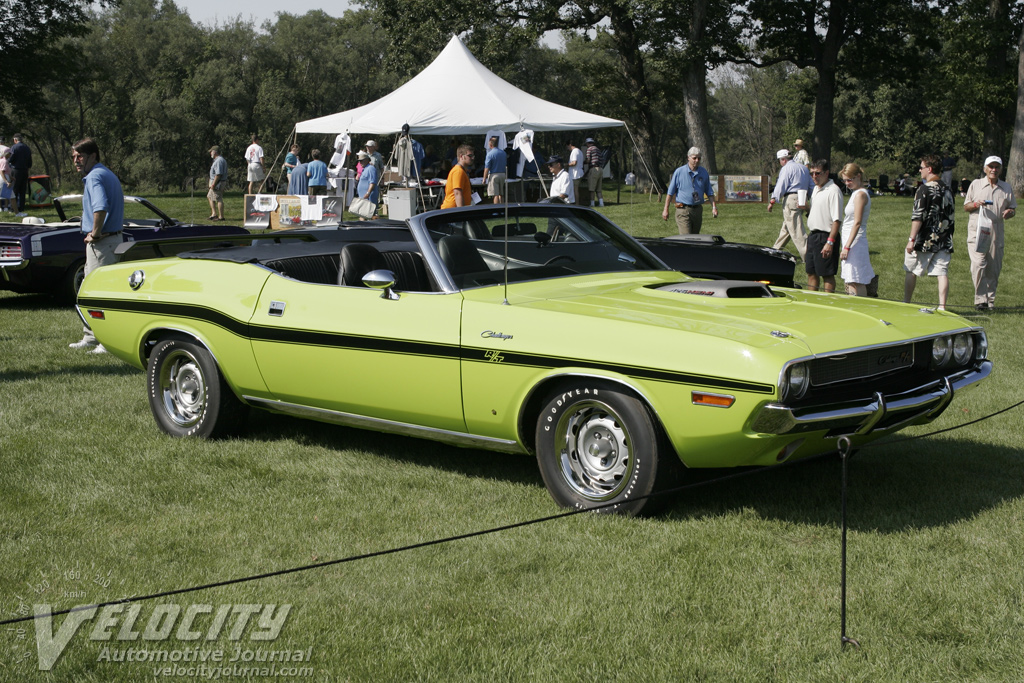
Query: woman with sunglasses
{"type": "Point", "coordinates": [856, 269]}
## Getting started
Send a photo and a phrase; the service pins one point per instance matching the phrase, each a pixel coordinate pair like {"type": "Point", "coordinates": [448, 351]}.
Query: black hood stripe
{"type": "Point", "coordinates": [411, 347]}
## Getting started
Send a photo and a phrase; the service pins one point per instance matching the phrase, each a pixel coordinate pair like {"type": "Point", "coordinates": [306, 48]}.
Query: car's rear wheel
{"type": "Point", "coordinates": [188, 394]}
{"type": "Point", "coordinates": [597, 444]}
{"type": "Point", "coordinates": [71, 283]}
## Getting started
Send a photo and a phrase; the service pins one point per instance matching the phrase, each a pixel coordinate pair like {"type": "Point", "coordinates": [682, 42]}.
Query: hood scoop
{"type": "Point", "coordinates": [722, 289]}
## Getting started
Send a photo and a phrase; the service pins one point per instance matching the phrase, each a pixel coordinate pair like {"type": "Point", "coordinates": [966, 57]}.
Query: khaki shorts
{"type": "Point", "coordinates": [215, 195]}
{"type": "Point", "coordinates": [594, 178]}
{"type": "Point", "coordinates": [932, 263]}
{"type": "Point", "coordinates": [496, 184]}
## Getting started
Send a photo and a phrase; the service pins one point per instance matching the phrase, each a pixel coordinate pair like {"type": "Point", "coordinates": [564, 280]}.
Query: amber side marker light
{"type": "Point", "coordinates": [716, 400]}
{"type": "Point", "coordinates": [96, 315]}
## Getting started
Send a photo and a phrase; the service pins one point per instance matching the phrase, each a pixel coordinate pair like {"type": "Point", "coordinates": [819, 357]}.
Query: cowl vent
{"type": "Point", "coordinates": [722, 289]}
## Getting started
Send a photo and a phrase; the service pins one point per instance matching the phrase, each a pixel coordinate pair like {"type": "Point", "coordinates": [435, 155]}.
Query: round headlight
{"type": "Point", "coordinates": [981, 346]}
{"type": "Point", "coordinates": [941, 351]}
{"type": "Point", "coordinates": [963, 347]}
{"type": "Point", "coordinates": [798, 378]}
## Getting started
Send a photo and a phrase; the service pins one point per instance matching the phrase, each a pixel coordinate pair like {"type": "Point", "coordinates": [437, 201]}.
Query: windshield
{"type": "Point", "coordinates": [542, 242]}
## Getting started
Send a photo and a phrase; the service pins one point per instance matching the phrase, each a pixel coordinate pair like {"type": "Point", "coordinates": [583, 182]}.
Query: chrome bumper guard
{"type": "Point", "coordinates": [12, 265]}
{"type": "Point", "coordinates": [878, 414]}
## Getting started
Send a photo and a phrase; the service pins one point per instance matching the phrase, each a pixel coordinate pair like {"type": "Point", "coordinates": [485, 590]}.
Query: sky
{"type": "Point", "coordinates": [210, 12]}
{"type": "Point", "coordinates": [219, 11]}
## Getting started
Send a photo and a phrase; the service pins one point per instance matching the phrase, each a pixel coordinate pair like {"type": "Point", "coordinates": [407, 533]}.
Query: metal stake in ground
{"type": "Point", "coordinates": [844, 454]}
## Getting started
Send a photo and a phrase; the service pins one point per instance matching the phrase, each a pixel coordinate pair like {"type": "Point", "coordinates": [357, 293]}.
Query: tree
{"type": "Point", "coordinates": [1015, 167]}
{"type": "Point", "coordinates": [31, 50]}
{"type": "Point", "coordinates": [832, 36]}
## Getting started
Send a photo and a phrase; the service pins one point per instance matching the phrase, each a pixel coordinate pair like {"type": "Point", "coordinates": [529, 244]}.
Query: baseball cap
{"type": "Point", "coordinates": [993, 160]}
{"type": "Point", "coordinates": [782, 154]}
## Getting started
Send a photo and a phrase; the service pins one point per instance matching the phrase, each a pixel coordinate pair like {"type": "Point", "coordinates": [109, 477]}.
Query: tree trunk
{"type": "Point", "coordinates": [1015, 167]}
{"type": "Point", "coordinates": [695, 93]}
{"type": "Point", "coordinates": [632, 62]}
{"type": "Point", "coordinates": [695, 108]}
{"type": "Point", "coordinates": [995, 64]}
{"type": "Point", "coordinates": [824, 103]}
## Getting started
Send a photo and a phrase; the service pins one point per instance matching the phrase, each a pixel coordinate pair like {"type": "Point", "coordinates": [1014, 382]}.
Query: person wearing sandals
{"type": "Point", "coordinates": [856, 263]}
{"type": "Point", "coordinates": [218, 179]}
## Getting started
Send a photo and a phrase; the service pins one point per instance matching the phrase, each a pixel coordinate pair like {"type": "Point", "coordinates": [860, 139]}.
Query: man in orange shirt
{"type": "Point", "coordinates": [457, 190]}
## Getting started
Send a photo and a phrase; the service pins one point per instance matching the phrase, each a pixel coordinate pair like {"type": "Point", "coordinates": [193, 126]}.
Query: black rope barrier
{"type": "Point", "coordinates": [516, 525]}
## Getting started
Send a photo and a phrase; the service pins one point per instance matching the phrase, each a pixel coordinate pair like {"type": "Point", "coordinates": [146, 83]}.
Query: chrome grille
{"type": "Point", "coordinates": [861, 364]}
{"type": "Point", "coordinates": [10, 250]}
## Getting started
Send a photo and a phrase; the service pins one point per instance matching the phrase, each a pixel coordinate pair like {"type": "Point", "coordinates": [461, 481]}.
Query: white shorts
{"type": "Point", "coordinates": [256, 173]}
{"type": "Point", "coordinates": [932, 263]}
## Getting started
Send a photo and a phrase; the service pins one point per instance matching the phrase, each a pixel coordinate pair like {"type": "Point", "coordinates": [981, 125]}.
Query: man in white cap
{"type": "Point", "coordinates": [794, 179]}
{"type": "Point", "coordinates": [989, 202]}
{"type": "Point", "coordinates": [375, 158]}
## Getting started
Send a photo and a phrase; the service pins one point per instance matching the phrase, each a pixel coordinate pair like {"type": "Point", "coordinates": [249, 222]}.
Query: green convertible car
{"type": "Point", "coordinates": [539, 329]}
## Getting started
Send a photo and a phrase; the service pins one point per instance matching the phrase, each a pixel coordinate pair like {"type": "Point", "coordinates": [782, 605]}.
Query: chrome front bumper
{"type": "Point", "coordinates": [878, 414]}
{"type": "Point", "coordinates": [12, 265]}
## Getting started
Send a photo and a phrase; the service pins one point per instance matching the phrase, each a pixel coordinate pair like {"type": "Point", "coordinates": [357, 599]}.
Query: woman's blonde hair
{"type": "Point", "coordinates": [850, 170]}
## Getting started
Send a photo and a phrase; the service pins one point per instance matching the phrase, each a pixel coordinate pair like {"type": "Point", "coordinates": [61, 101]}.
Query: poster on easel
{"type": "Point", "coordinates": [293, 211]}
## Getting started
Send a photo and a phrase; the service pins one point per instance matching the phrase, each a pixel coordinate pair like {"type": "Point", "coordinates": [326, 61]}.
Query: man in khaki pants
{"type": "Point", "coordinates": [793, 179]}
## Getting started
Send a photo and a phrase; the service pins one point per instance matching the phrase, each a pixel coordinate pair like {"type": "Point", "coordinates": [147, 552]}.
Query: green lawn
{"type": "Point", "coordinates": [738, 581]}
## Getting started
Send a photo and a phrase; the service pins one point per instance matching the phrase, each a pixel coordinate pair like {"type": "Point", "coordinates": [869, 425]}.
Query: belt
{"type": "Point", "coordinates": [104, 235]}
{"type": "Point", "coordinates": [786, 194]}
{"type": "Point", "coordinates": [680, 205]}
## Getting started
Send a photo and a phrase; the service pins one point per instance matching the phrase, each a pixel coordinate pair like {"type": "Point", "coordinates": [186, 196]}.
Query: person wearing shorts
{"type": "Point", "coordinates": [218, 179]}
{"type": "Point", "coordinates": [822, 257]}
{"type": "Point", "coordinates": [494, 170]}
{"type": "Point", "coordinates": [255, 172]}
{"type": "Point", "coordinates": [930, 245]}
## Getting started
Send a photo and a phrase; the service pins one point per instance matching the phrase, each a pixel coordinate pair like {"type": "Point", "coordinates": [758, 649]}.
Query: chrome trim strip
{"type": "Point", "coordinates": [925, 403]}
{"type": "Point", "coordinates": [381, 425]}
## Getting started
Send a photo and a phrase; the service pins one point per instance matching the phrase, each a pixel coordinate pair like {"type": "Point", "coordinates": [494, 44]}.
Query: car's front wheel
{"type": "Point", "coordinates": [597, 444]}
{"type": "Point", "coordinates": [188, 394]}
{"type": "Point", "coordinates": [67, 292]}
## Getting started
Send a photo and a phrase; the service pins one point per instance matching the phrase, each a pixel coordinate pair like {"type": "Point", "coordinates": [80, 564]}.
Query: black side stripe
{"type": "Point", "coordinates": [411, 347]}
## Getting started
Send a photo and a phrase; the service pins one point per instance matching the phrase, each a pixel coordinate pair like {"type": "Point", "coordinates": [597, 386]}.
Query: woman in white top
{"type": "Point", "coordinates": [856, 268]}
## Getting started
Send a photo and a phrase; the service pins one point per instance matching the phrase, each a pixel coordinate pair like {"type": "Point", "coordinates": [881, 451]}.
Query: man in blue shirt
{"type": "Point", "coordinates": [298, 184]}
{"type": "Point", "coordinates": [316, 171]}
{"type": "Point", "coordinates": [690, 185]}
{"type": "Point", "coordinates": [793, 179]}
{"type": "Point", "coordinates": [494, 170]}
{"type": "Point", "coordinates": [102, 218]}
{"type": "Point", "coordinates": [368, 182]}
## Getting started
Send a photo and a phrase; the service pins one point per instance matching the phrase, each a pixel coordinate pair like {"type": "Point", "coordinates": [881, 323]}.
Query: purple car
{"type": "Point", "coordinates": [49, 258]}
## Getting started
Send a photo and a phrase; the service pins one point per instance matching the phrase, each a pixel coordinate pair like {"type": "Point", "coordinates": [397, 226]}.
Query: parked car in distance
{"type": "Point", "coordinates": [711, 256]}
{"type": "Point", "coordinates": [49, 258]}
{"type": "Point", "coordinates": [540, 329]}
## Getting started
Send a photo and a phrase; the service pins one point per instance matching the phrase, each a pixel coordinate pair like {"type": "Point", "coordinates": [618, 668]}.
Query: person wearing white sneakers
{"type": "Point", "coordinates": [595, 172]}
{"type": "Point", "coordinates": [102, 218]}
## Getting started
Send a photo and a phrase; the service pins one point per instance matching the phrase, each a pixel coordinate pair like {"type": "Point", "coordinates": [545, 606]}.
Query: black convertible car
{"type": "Point", "coordinates": [49, 258]}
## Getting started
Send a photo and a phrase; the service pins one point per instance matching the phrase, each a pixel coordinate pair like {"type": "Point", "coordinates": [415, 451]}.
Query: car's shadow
{"type": "Point", "coordinates": [32, 302]}
{"type": "Point", "coordinates": [106, 370]}
{"type": "Point", "coordinates": [891, 488]}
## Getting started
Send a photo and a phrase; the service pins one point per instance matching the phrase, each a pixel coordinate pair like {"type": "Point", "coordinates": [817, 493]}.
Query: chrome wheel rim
{"type": "Point", "coordinates": [182, 388]}
{"type": "Point", "coordinates": [595, 450]}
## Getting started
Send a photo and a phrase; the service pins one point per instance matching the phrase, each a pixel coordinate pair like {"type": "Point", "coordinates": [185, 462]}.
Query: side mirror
{"type": "Point", "coordinates": [542, 238]}
{"type": "Point", "coordinates": [384, 280]}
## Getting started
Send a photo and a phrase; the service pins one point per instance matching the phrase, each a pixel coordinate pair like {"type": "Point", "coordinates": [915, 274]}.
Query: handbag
{"type": "Point", "coordinates": [363, 208]}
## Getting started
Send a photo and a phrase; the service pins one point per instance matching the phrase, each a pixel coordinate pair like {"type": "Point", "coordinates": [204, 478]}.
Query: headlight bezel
{"type": "Point", "coordinates": [796, 380]}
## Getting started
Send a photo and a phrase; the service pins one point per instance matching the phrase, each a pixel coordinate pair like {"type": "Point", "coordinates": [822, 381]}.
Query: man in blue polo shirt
{"type": "Point", "coordinates": [794, 178]}
{"type": "Point", "coordinates": [102, 218]}
{"type": "Point", "coordinates": [316, 171]}
{"type": "Point", "coordinates": [690, 185]}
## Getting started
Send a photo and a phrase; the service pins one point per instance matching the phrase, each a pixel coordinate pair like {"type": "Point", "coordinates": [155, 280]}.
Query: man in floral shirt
{"type": "Point", "coordinates": [931, 232]}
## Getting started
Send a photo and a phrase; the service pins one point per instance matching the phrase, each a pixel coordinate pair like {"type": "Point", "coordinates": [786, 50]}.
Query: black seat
{"type": "Point", "coordinates": [410, 271]}
{"type": "Point", "coordinates": [357, 260]}
{"type": "Point", "coordinates": [475, 229]}
{"type": "Point", "coordinates": [460, 256]}
{"type": "Point", "coordinates": [321, 269]}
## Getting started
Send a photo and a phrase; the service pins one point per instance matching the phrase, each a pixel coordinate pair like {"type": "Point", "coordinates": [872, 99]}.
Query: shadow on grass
{"type": "Point", "coordinates": [116, 370]}
{"type": "Point", "coordinates": [471, 462]}
{"type": "Point", "coordinates": [32, 302]}
{"type": "Point", "coordinates": [893, 488]}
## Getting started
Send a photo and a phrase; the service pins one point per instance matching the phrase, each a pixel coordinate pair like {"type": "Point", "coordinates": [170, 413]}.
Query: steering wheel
{"type": "Point", "coordinates": [560, 257]}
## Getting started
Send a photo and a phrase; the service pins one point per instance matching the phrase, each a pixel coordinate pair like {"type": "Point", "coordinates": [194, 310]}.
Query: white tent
{"type": "Point", "coordinates": [456, 95]}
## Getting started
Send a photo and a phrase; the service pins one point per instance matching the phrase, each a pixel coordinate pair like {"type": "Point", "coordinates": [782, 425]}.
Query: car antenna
{"type": "Point", "coordinates": [504, 198]}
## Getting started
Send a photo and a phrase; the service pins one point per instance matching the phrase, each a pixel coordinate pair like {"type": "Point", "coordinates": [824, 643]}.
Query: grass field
{"type": "Point", "coordinates": [737, 581]}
